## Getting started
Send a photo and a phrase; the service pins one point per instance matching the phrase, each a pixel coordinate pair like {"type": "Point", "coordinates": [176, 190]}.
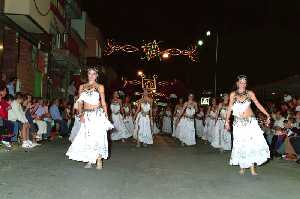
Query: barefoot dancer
{"type": "Point", "coordinates": [91, 144]}
{"type": "Point", "coordinates": [249, 144]}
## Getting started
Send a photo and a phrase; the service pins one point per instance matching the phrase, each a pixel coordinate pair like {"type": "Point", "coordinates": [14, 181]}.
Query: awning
{"type": "Point", "coordinates": [26, 26]}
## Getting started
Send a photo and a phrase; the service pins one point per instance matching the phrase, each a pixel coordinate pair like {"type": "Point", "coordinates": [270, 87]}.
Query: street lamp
{"type": "Point", "coordinates": [140, 73]}
{"type": "Point", "coordinates": [208, 33]}
{"type": "Point", "coordinates": [200, 43]}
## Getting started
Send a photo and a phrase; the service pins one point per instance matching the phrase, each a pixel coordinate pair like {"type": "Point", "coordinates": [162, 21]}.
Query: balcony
{"type": "Point", "coordinates": [32, 16]}
{"type": "Point", "coordinates": [66, 51]}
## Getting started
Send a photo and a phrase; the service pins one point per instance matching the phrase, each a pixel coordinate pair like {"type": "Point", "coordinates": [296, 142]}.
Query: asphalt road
{"type": "Point", "coordinates": [162, 171]}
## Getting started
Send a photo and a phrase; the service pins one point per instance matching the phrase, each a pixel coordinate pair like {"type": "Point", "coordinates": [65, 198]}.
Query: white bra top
{"type": "Point", "coordinates": [90, 97]}
{"type": "Point", "coordinates": [239, 107]}
{"type": "Point", "coordinates": [190, 111]}
{"type": "Point", "coordinates": [145, 107]}
{"type": "Point", "coordinates": [115, 108]}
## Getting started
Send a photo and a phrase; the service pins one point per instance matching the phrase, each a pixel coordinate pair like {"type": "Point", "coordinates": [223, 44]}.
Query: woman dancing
{"type": "Point", "coordinates": [128, 115]}
{"type": "Point", "coordinates": [210, 120]}
{"type": "Point", "coordinates": [177, 112]}
{"type": "Point", "coordinates": [91, 144]}
{"type": "Point", "coordinates": [199, 123]}
{"type": "Point", "coordinates": [221, 138]}
{"type": "Point", "coordinates": [249, 144]}
{"type": "Point", "coordinates": [120, 132]}
{"type": "Point", "coordinates": [143, 120]}
{"type": "Point", "coordinates": [186, 124]}
{"type": "Point", "coordinates": [167, 121]}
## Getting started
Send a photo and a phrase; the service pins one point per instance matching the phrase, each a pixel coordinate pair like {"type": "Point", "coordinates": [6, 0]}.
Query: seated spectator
{"type": "Point", "coordinates": [29, 107]}
{"type": "Point", "coordinates": [39, 113]}
{"type": "Point", "coordinates": [17, 115]}
{"type": "Point", "coordinates": [11, 86]}
{"type": "Point", "coordinates": [57, 117]}
{"type": "Point", "coordinates": [5, 125]}
{"type": "Point", "coordinates": [47, 118]}
{"type": "Point", "coordinates": [278, 119]}
{"type": "Point", "coordinates": [297, 120]}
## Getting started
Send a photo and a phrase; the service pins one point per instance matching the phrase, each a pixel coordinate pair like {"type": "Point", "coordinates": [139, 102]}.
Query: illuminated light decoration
{"type": "Point", "coordinates": [165, 55]}
{"type": "Point", "coordinates": [151, 50]}
{"type": "Point", "coordinates": [111, 48]}
{"type": "Point", "coordinates": [150, 84]}
{"type": "Point", "coordinates": [192, 53]}
{"type": "Point", "coordinates": [208, 33]}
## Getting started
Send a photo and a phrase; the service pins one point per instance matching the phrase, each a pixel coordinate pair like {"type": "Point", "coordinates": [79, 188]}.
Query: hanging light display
{"type": "Point", "coordinates": [152, 50]}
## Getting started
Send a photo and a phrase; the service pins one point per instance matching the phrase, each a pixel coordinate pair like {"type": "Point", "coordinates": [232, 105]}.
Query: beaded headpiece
{"type": "Point", "coordinates": [242, 77]}
{"type": "Point", "coordinates": [93, 68]}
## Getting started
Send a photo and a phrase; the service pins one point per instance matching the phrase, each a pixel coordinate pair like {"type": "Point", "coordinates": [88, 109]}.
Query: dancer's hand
{"type": "Point", "coordinates": [227, 125]}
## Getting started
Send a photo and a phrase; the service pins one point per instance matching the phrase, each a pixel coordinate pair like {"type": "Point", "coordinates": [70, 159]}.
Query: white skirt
{"type": "Point", "coordinates": [91, 140]}
{"type": "Point", "coordinates": [75, 129]}
{"type": "Point", "coordinates": [221, 138]}
{"type": "Point", "coordinates": [129, 124]}
{"type": "Point", "coordinates": [210, 123]}
{"type": "Point", "coordinates": [199, 128]}
{"type": "Point", "coordinates": [249, 144]}
{"type": "Point", "coordinates": [167, 125]}
{"type": "Point", "coordinates": [186, 131]}
{"type": "Point", "coordinates": [120, 131]}
{"type": "Point", "coordinates": [143, 130]}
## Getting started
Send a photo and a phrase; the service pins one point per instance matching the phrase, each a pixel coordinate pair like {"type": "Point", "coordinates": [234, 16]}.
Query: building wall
{"type": "Point", "coordinates": [79, 25]}
{"type": "Point", "coordinates": [92, 39]}
{"type": "Point", "coordinates": [27, 7]}
{"type": "Point", "coordinates": [26, 72]}
{"type": "Point", "coordinates": [10, 53]}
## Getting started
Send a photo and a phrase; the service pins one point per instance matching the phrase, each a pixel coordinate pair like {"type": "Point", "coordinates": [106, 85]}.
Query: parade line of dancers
{"type": "Point", "coordinates": [144, 121]}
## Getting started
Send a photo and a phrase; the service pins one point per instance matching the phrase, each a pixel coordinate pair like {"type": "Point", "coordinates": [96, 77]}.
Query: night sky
{"type": "Point", "coordinates": [259, 38]}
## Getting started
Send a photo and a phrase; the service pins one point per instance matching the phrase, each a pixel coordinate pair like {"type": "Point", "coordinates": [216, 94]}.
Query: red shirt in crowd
{"type": "Point", "coordinates": [4, 105]}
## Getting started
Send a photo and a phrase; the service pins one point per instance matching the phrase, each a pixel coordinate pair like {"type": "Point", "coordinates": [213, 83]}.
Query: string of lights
{"type": "Point", "coordinates": [151, 50]}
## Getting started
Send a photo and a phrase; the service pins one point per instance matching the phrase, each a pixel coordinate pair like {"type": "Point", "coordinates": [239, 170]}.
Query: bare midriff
{"type": "Point", "coordinates": [87, 106]}
{"type": "Point", "coordinates": [247, 113]}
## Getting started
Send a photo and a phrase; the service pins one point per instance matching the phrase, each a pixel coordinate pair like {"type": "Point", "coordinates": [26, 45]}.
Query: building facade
{"type": "Point", "coordinates": [46, 44]}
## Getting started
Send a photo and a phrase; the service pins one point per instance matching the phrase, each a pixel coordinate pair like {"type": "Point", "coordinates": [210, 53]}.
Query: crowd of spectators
{"type": "Point", "coordinates": [31, 121]}
{"type": "Point", "coordinates": [283, 135]}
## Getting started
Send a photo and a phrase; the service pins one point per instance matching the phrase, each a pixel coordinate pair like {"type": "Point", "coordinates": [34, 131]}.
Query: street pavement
{"type": "Point", "coordinates": [165, 170]}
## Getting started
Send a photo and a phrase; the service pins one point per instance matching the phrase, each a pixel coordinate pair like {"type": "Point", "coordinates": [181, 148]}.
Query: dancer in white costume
{"type": "Point", "coordinates": [155, 114]}
{"type": "Point", "coordinates": [143, 120]}
{"type": "Point", "coordinates": [167, 121]}
{"type": "Point", "coordinates": [210, 121]}
{"type": "Point", "coordinates": [91, 144]}
{"type": "Point", "coordinates": [186, 124]}
{"type": "Point", "coordinates": [128, 119]}
{"type": "Point", "coordinates": [249, 145]}
{"type": "Point", "coordinates": [120, 132]}
{"type": "Point", "coordinates": [221, 137]}
{"type": "Point", "coordinates": [177, 112]}
{"type": "Point", "coordinates": [199, 123]}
